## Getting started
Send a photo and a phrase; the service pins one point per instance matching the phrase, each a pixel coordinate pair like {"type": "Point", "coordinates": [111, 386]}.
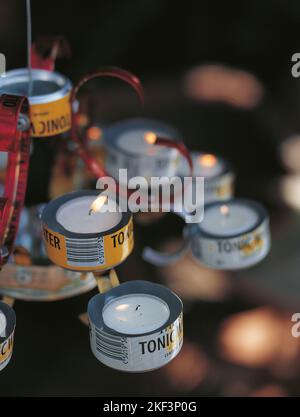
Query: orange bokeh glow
{"type": "Point", "coordinates": [208, 160]}
{"type": "Point", "coordinates": [94, 133]}
{"type": "Point", "coordinates": [150, 137]}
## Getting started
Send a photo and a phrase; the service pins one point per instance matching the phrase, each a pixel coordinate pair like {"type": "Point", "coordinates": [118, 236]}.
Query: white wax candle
{"type": "Point", "coordinates": [136, 313]}
{"type": "Point", "coordinates": [74, 216]}
{"type": "Point", "coordinates": [228, 219]}
{"type": "Point", "coordinates": [134, 141]}
{"type": "Point", "coordinates": [206, 165]}
{"type": "Point", "coordinates": [2, 323]}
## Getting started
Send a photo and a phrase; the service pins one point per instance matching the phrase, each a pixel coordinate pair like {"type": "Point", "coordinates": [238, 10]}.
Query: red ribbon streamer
{"type": "Point", "coordinates": [92, 164]}
{"type": "Point", "coordinates": [17, 144]}
{"type": "Point", "coordinates": [182, 149]}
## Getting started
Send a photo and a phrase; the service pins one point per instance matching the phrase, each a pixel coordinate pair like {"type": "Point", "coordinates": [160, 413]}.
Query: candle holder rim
{"type": "Point", "coordinates": [112, 134]}
{"type": "Point", "coordinates": [97, 303]}
{"type": "Point", "coordinates": [64, 84]}
{"type": "Point", "coordinates": [259, 208]}
{"type": "Point", "coordinates": [37, 295]}
{"type": "Point", "coordinates": [48, 216]}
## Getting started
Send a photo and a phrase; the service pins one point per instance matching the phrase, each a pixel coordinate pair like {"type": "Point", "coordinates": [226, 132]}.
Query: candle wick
{"type": "Point", "coordinates": [225, 211]}
{"type": "Point", "coordinates": [137, 307]}
{"type": "Point", "coordinates": [91, 211]}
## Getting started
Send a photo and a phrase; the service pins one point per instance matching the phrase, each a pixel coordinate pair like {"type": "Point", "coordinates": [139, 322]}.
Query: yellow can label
{"type": "Point", "coordinates": [251, 243]}
{"type": "Point", "coordinates": [92, 254]}
{"type": "Point", "coordinates": [6, 349]}
{"type": "Point", "coordinates": [50, 119]}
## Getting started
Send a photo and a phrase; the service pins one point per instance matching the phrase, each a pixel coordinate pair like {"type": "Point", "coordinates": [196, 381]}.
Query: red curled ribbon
{"type": "Point", "coordinates": [91, 163]}
{"type": "Point", "coordinates": [182, 149]}
{"type": "Point", "coordinates": [15, 140]}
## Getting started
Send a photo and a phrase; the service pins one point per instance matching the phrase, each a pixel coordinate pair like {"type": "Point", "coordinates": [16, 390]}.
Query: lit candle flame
{"type": "Point", "coordinates": [208, 160]}
{"type": "Point", "coordinates": [150, 137]}
{"type": "Point", "coordinates": [97, 204]}
{"type": "Point", "coordinates": [224, 210]}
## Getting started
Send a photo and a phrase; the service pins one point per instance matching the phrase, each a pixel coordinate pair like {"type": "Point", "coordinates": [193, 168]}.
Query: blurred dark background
{"type": "Point", "coordinates": [158, 38]}
{"type": "Point", "coordinates": [241, 52]}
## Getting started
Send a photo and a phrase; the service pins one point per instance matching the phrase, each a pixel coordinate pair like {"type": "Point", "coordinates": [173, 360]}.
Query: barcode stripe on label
{"type": "Point", "coordinates": [89, 252]}
{"type": "Point", "coordinates": [108, 345]}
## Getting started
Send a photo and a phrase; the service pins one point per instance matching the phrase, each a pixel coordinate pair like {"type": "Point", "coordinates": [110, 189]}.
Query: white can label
{"type": "Point", "coordinates": [140, 353]}
{"type": "Point", "coordinates": [220, 188]}
{"type": "Point", "coordinates": [233, 253]}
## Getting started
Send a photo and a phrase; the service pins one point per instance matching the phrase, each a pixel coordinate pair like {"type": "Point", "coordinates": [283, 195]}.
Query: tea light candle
{"type": "Point", "coordinates": [207, 165]}
{"type": "Point", "coordinates": [136, 313]}
{"type": "Point", "coordinates": [7, 329]}
{"type": "Point", "coordinates": [130, 145]}
{"type": "Point", "coordinates": [217, 173]}
{"type": "Point", "coordinates": [140, 141]}
{"type": "Point", "coordinates": [232, 235]}
{"type": "Point", "coordinates": [74, 216]}
{"type": "Point", "coordinates": [136, 326]}
{"type": "Point", "coordinates": [86, 232]}
{"type": "Point", "coordinates": [229, 219]}
{"type": "Point", "coordinates": [49, 100]}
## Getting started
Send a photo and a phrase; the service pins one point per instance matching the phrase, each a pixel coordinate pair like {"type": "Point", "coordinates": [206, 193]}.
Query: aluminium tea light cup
{"type": "Point", "coordinates": [7, 329]}
{"type": "Point", "coordinates": [50, 116]}
{"type": "Point", "coordinates": [128, 148]}
{"type": "Point", "coordinates": [50, 106]}
{"type": "Point", "coordinates": [232, 235]}
{"type": "Point", "coordinates": [136, 326]}
{"type": "Point", "coordinates": [80, 241]}
{"type": "Point", "coordinates": [217, 173]}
